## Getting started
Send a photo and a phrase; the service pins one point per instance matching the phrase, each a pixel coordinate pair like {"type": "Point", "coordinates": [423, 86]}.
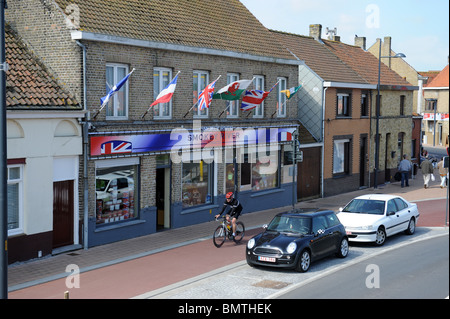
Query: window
{"type": "Point", "coordinates": [197, 183]}
{"type": "Point", "coordinates": [117, 107]}
{"type": "Point", "coordinates": [341, 156]}
{"type": "Point", "coordinates": [343, 104]}
{"type": "Point", "coordinates": [281, 101]}
{"type": "Point", "coordinates": [259, 174]}
{"type": "Point", "coordinates": [391, 206]}
{"type": "Point", "coordinates": [258, 84]}
{"type": "Point", "coordinates": [116, 188]}
{"type": "Point", "coordinates": [15, 198]}
{"type": "Point", "coordinates": [161, 78]}
{"type": "Point", "coordinates": [430, 105]}
{"type": "Point", "coordinates": [232, 106]}
{"type": "Point", "coordinates": [201, 80]}
{"type": "Point", "coordinates": [332, 220]}
{"type": "Point", "coordinates": [402, 105]}
{"type": "Point", "coordinates": [364, 105]}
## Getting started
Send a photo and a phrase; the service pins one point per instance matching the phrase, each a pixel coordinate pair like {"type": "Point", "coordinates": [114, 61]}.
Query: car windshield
{"type": "Point", "coordinates": [365, 206]}
{"type": "Point", "coordinates": [290, 224]}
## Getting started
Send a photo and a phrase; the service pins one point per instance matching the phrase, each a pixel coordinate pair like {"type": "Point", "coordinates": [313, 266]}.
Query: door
{"type": "Point", "coordinates": [362, 161]}
{"type": "Point", "coordinates": [163, 197]}
{"type": "Point", "coordinates": [308, 174]}
{"type": "Point", "coordinates": [63, 210]}
{"type": "Point", "coordinates": [322, 243]}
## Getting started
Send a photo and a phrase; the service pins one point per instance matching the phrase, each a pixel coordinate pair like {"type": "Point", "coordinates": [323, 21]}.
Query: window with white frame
{"type": "Point", "coordinates": [200, 81]}
{"type": "Point", "coordinates": [161, 78]}
{"type": "Point", "coordinates": [343, 104]}
{"type": "Point", "coordinates": [15, 198]}
{"type": "Point", "coordinates": [258, 84]}
{"type": "Point", "coordinates": [232, 106]}
{"type": "Point", "coordinates": [117, 107]}
{"type": "Point", "coordinates": [282, 100]}
{"type": "Point", "coordinates": [341, 156]}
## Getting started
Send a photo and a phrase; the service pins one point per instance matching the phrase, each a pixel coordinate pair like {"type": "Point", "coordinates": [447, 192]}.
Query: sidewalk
{"type": "Point", "coordinates": [50, 268]}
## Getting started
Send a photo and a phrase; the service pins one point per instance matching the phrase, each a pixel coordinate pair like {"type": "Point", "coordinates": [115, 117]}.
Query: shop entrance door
{"type": "Point", "coordinates": [63, 213]}
{"type": "Point", "coordinates": [163, 197]}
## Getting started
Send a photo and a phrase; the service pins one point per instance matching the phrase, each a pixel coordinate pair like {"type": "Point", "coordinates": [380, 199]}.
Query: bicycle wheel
{"type": "Point", "coordinates": [240, 232]}
{"type": "Point", "coordinates": [219, 236]}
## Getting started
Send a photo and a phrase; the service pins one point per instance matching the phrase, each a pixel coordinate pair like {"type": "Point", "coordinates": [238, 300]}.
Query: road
{"type": "Point", "coordinates": [416, 271]}
{"type": "Point", "coordinates": [201, 270]}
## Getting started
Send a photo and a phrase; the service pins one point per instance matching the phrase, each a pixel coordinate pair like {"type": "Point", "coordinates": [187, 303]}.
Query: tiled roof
{"type": "Point", "coordinates": [365, 64]}
{"type": "Point", "coordinates": [441, 80]}
{"type": "Point", "coordinates": [216, 24]}
{"type": "Point", "coordinates": [28, 83]}
{"type": "Point", "coordinates": [317, 57]}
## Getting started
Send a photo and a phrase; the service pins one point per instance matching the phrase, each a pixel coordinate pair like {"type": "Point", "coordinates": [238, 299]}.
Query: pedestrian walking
{"type": "Point", "coordinates": [443, 173]}
{"type": "Point", "coordinates": [404, 168]}
{"type": "Point", "coordinates": [427, 171]}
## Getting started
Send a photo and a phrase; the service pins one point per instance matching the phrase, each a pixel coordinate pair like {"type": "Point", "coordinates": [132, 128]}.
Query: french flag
{"type": "Point", "coordinates": [166, 94]}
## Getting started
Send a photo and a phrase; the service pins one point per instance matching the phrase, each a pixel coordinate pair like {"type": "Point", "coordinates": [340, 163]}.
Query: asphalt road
{"type": "Point", "coordinates": [417, 271]}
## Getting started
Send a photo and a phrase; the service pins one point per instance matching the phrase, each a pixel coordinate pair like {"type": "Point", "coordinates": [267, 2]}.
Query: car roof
{"type": "Point", "coordinates": [377, 197]}
{"type": "Point", "coordinates": [306, 212]}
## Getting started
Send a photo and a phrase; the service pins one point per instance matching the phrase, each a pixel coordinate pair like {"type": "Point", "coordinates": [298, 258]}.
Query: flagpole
{"type": "Point", "coordinates": [142, 116]}
{"type": "Point", "coordinates": [190, 109]}
{"type": "Point", "coordinates": [104, 104]}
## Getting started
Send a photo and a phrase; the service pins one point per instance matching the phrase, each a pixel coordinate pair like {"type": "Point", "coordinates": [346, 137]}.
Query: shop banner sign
{"type": "Point", "coordinates": [439, 116]}
{"type": "Point", "coordinates": [104, 145]}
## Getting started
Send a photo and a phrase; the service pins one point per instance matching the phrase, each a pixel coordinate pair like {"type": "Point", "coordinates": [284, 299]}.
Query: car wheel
{"type": "Point", "coordinates": [411, 227]}
{"type": "Point", "coordinates": [304, 261]}
{"type": "Point", "coordinates": [381, 237]}
{"type": "Point", "coordinates": [343, 248]}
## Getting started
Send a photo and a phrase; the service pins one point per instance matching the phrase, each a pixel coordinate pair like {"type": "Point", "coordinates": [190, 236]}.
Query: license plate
{"type": "Point", "coordinates": [269, 259]}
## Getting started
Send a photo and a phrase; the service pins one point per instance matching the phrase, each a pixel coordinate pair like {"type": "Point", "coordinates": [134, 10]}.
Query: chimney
{"type": "Point", "coordinates": [360, 42]}
{"type": "Point", "coordinates": [386, 50]}
{"type": "Point", "coordinates": [315, 31]}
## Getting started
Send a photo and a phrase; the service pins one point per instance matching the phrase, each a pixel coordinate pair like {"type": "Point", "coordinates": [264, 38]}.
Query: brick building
{"type": "Point", "coordinates": [91, 45]}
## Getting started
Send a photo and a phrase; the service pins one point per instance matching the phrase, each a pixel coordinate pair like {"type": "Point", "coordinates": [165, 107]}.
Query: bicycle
{"type": "Point", "coordinates": [225, 231]}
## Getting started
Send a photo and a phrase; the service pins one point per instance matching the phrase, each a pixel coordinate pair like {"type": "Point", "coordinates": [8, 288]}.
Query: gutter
{"type": "Point", "coordinates": [91, 36]}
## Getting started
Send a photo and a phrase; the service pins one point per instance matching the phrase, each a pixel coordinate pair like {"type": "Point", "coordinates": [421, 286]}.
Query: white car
{"type": "Point", "coordinates": [372, 218]}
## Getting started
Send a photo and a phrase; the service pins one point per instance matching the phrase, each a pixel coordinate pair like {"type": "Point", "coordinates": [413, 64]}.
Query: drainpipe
{"type": "Point", "coordinates": [323, 139]}
{"type": "Point", "coordinates": [85, 152]}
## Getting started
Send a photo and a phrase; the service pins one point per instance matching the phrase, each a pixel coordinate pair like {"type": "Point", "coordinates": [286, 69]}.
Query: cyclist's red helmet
{"type": "Point", "coordinates": [229, 195]}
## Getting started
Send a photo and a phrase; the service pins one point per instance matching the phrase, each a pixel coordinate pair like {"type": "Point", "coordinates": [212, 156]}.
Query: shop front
{"type": "Point", "coordinates": [149, 181]}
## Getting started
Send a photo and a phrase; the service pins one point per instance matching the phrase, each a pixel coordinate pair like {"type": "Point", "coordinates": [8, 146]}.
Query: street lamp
{"type": "Point", "coordinates": [377, 111]}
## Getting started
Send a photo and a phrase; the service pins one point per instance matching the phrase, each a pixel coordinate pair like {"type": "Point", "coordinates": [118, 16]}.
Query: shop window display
{"type": "Point", "coordinates": [196, 184]}
{"type": "Point", "coordinates": [115, 194]}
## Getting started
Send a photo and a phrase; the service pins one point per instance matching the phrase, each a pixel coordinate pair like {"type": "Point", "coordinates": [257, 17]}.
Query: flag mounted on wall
{"type": "Point", "coordinates": [254, 98]}
{"type": "Point", "coordinates": [166, 94]}
{"type": "Point", "coordinates": [205, 96]}
{"type": "Point", "coordinates": [232, 91]}
{"type": "Point", "coordinates": [291, 92]}
{"type": "Point", "coordinates": [104, 100]}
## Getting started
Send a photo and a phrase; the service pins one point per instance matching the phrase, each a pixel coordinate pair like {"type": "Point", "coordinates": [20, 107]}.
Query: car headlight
{"type": "Point", "coordinates": [367, 227]}
{"type": "Point", "coordinates": [251, 243]}
{"type": "Point", "coordinates": [291, 247]}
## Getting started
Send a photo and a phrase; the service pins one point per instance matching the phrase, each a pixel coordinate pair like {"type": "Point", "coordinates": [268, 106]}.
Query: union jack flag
{"type": "Point", "coordinates": [116, 147]}
{"type": "Point", "coordinates": [205, 96]}
{"type": "Point", "coordinates": [254, 98]}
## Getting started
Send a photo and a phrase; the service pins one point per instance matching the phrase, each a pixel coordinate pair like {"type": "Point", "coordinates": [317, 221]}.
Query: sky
{"type": "Point", "coordinates": [419, 29]}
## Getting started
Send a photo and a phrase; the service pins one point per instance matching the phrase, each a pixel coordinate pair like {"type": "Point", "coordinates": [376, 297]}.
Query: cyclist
{"type": "Point", "coordinates": [236, 209]}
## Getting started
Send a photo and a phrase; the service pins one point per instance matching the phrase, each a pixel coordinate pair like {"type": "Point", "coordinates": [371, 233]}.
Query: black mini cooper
{"type": "Point", "coordinates": [294, 239]}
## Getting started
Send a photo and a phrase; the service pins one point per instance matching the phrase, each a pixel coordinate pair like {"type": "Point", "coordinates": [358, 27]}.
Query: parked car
{"type": "Point", "coordinates": [294, 239]}
{"type": "Point", "coordinates": [372, 218]}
